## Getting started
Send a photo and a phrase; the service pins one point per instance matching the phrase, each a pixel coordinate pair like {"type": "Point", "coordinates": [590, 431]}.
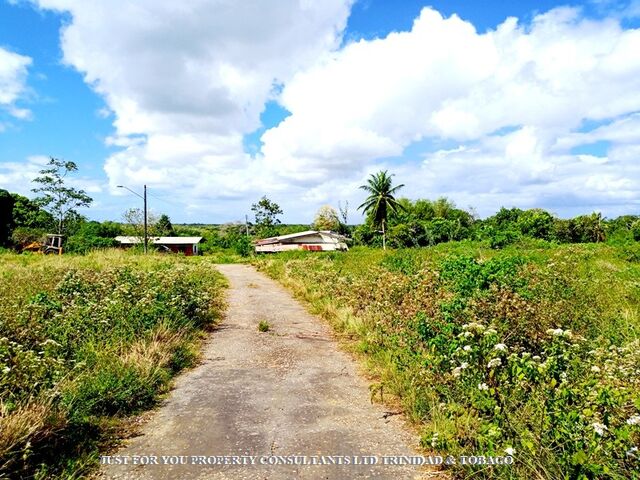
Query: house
{"type": "Point", "coordinates": [186, 245]}
{"type": "Point", "coordinates": [313, 240]}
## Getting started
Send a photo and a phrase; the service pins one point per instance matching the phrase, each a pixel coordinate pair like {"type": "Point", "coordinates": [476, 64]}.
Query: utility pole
{"type": "Point", "coordinates": [144, 199]}
{"type": "Point", "coordinates": [246, 224]}
{"type": "Point", "coordinates": [145, 220]}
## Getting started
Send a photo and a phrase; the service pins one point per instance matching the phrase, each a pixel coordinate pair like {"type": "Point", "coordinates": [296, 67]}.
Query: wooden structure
{"type": "Point", "coordinates": [185, 245]}
{"type": "Point", "coordinates": [312, 240]}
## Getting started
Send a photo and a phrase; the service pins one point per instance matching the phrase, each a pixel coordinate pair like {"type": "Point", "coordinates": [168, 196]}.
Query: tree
{"type": "Point", "coordinates": [27, 213]}
{"type": "Point", "coordinates": [536, 223]}
{"type": "Point", "coordinates": [57, 198]}
{"type": "Point", "coordinates": [266, 213]}
{"type": "Point", "coordinates": [163, 227]}
{"type": "Point", "coordinates": [344, 212]}
{"type": "Point", "coordinates": [326, 219]}
{"type": "Point", "coordinates": [93, 235]}
{"type": "Point", "coordinates": [134, 218]}
{"type": "Point", "coordinates": [6, 217]}
{"type": "Point", "coordinates": [381, 200]}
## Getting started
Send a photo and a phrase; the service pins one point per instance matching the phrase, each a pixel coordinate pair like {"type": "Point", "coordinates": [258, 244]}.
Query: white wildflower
{"type": "Point", "coordinates": [496, 362]}
{"type": "Point", "coordinates": [510, 451]}
{"type": "Point", "coordinates": [468, 334]}
{"type": "Point", "coordinates": [467, 348]}
{"type": "Point", "coordinates": [634, 420]}
{"type": "Point", "coordinates": [595, 369]}
{"type": "Point", "coordinates": [501, 347]}
{"type": "Point", "coordinates": [456, 372]}
{"type": "Point", "coordinates": [599, 428]}
{"type": "Point", "coordinates": [563, 376]}
{"type": "Point", "coordinates": [536, 358]}
{"type": "Point", "coordinates": [556, 332]}
{"type": "Point", "coordinates": [6, 370]}
{"type": "Point", "coordinates": [474, 326]}
{"type": "Point", "coordinates": [464, 365]}
{"type": "Point", "coordinates": [483, 386]}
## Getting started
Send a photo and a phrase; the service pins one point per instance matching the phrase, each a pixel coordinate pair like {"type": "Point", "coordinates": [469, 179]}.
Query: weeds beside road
{"type": "Point", "coordinates": [86, 341]}
{"type": "Point", "coordinates": [532, 351]}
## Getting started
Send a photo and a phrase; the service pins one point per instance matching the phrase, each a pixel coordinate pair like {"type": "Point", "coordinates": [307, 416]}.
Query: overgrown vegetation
{"type": "Point", "coordinates": [532, 350]}
{"type": "Point", "coordinates": [86, 341]}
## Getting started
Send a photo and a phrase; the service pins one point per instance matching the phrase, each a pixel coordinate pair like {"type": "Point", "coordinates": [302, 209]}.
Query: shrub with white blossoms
{"type": "Point", "coordinates": [599, 428]}
{"type": "Point", "coordinates": [558, 332]}
{"type": "Point", "coordinates": [494, 362]}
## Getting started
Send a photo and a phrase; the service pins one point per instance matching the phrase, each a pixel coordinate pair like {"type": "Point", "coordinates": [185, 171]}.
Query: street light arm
{"type": "Point", "coordinates": [127, 188]}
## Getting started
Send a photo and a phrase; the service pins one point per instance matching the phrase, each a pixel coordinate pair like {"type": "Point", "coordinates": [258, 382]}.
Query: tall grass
{"type": "Point", "coordinates": [85, 341]}
{"type": "Point", "coordinates": [533, 350]}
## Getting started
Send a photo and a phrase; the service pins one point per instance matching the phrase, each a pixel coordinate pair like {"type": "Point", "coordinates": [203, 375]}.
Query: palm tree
{"type": "Point", "coordinates": [380, 200]}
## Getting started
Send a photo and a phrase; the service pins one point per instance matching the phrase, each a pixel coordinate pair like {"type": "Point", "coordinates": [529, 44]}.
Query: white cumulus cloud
{"type": "Point", "coordinates": [187, 80]}
{"type": "Point", "coordinates": [512, 99]}
{"type": "Point", "coordinates": [499, 114]}
{"type": "Point", "coordinates": [13, 77]}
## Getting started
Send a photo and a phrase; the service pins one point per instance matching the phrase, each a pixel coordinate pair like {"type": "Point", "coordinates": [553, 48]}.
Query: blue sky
{"type": "Point", "coordinates": [213, 107]}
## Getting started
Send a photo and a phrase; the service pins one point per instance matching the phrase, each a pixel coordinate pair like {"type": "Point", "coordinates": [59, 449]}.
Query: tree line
{"type": "Point", "coordinates": [421, 223]}
{"type": "Point", "coordinates": [55, 210]}
{"type": "Point", "coordinates": [390, 220]}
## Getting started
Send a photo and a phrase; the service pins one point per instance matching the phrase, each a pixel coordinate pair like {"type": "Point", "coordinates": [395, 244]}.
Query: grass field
{"type": "Point", "coordinates": [532, 350]}
{"type": "Point", "coordinates": [87, 341]}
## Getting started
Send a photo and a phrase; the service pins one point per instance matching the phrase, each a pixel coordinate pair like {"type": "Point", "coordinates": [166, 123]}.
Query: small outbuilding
{"type": "Point", "coordinates": [313, 240]}
{"type": "Point", "coordinates": [186, 245]}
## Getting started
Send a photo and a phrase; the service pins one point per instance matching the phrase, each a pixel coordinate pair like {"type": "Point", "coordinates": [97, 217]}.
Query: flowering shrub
{"type": "Point", "coordinates": [84, 338]}
{"type": "Point", "coordinates": [532, 354]}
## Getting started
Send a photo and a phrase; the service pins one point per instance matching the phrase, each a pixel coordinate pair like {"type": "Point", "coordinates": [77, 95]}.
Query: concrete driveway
{"type": "Point", "coordinates": [288, 395]}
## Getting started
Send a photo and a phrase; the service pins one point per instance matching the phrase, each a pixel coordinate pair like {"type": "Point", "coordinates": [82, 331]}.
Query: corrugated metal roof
{"type": "Point", "coordinates": [160, 240]}
{"type": "Point", "coordinates": [267, 241]}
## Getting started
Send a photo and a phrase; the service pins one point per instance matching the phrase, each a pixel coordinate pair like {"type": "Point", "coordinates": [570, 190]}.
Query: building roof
{"type": "Point", "coordinates": [326, 233]}
{"type": "Point", "coordinates": [160, 240]}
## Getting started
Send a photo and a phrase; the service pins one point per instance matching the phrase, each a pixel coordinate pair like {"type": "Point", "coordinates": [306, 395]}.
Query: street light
{"type": "Point", "coordinates": [144, 198]}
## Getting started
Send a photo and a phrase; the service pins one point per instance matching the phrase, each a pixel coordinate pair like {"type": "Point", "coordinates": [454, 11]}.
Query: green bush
{"type": "Point", "coordinates": [502, 238]}
{"type": "Point", "coordinates": [532, 352]}
{"type": "Point", "coordinates": [243, 246]}
{"type": "Point", "coordinates": [85, 339]}
{"type": "Point", "coordinates": [635, 230]}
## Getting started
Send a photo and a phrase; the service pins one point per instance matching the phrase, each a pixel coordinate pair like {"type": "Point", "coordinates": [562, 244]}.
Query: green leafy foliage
{"type": "Point", "coordinates": [381, 202]}
{"type": "Point", "coordinates": [266, 217]}
{"type": "Point", "coordinates": [28, 214]}
{"type": "Point", "coordinates": [163, 227]}
{"type": "Point", "coordinates": [93, 236]}
{"type": "Point", "coordinates": [528, 351]}
{"type": "Point", "coordinates": [6, 217]}
{"type": "Point", "coordinates": [56, 196]}
{"type": "Point", "coordinates": [635, 230]}
{"type": "Point", "coordinates": [87, 339]}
